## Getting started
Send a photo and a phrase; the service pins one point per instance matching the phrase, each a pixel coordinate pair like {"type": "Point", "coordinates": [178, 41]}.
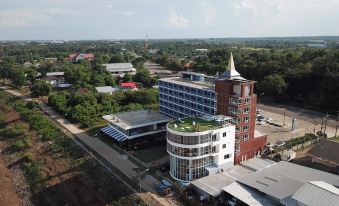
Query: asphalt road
{"type": "Point", "coordinates": [299, 113]}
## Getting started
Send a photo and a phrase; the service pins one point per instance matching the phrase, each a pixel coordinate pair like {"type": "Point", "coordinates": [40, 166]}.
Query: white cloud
{"type": "Point", "coordinates": [258, 8]}
{"type": "Point", "coordinates": [108, 6]}
{"type": "Point", "coordinates": [128, 13]}
{"type": "Point", "coordinates": [177, 20]}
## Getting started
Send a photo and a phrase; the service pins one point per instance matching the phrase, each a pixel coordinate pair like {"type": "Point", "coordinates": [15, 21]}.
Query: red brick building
{"type": "Point", "coordinates": [235, 98]}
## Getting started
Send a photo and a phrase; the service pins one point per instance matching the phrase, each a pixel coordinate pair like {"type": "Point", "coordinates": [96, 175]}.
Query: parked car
{"type": "Point", "coordinates": [164, 187]}
{"type": "Point", "coordinates": [259, 111]}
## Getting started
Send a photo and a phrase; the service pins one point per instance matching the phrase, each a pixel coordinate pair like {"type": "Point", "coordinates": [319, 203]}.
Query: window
{"type": "Point", "coordinates": [214, 149]}
{"type": "Point", "coordinates": [234, 101]}
{"type": "Point", "coordinates": [224, 134]}
{"type": "Point", "coordinates": [224, 146]}
{"type": "Point", "coordinates": [246, 110]}
{"type": "Point", "coordinates": [247, 100]}
{"type": "Point", "coordinates": [245, 137]}
{"type": "Point", "coordinates": [214, 137]}
{"type": "Point", "coordinates": [237, 129]}
{"type": "Point", "coordinates": [245, 128]}
{"type": "Point", "coordinates": [235, 111]}
{"type": "Point", "coordinates": [227, 156]}
{"type": "Point", "coordinates": [246, 119]}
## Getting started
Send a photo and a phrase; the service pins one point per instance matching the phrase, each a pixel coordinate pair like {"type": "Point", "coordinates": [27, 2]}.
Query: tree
{"type": "Point", "coordinates": [41, 88]}
{"type": "Point", "coordinates": [32, 76]}
{"type": "Point", "coordinates": [127, 78]}
{"type": "Point", "coordinates": [273, 85]}
{"type": "Point", "coordinates": [143, 76]}
{"type": "Point", "coordinates": [77, 73]}
{"type": "Point", "coordinates": [117, 58]}
{"type": "Point", "coordinates": [18, 77]}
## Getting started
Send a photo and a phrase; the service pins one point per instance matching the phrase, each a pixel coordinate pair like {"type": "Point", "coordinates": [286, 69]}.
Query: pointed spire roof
{"type": "Point", "coordinates": [230, 71]}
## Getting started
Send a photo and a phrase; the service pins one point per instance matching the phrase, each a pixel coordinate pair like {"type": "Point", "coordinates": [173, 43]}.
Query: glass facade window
{"type": "Point", "coordinates": [188, 170]}
{"type": "Point", "coordinates": [189, 152]}
{"type": "Point", "coordinates": [189, 140]}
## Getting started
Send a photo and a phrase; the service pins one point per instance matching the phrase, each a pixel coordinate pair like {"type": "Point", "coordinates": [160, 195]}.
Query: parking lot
{"type": "Point", "coordinates": [279, 128]}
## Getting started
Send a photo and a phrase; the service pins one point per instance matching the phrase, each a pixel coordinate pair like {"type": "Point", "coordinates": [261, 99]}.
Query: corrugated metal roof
{"type": "Point", "coordinates": [317, 193]}
{"type": "Point", "coordinates": [55, 74]}
{"type": "Point", "coordinates": [284, 179]}
{"type": "Point", "coordinates": [106, 89]}
{"type": "Point", "coordinates": [256, 163]}
{"type": "Point", "coordinates": [248, 195]}
{"type": "Point", "coordinates": [213, 184]}
{"type": "Point", "coordinates": [119, 67]}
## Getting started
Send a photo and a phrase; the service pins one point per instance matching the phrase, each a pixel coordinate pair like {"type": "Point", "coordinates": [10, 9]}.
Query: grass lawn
{"type": "Point", "coordinates": [335, 138]}
{"type": "Point", "coordinates": [151, 154]}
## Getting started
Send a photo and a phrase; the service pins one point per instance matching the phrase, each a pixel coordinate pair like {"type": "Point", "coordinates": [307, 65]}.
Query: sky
{"type": "Point", "coordinates": [128, 19]}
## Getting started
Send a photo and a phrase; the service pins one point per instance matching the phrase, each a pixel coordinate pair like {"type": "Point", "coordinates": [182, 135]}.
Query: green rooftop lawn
{"type": "Point", "coordinates": [186, 125]}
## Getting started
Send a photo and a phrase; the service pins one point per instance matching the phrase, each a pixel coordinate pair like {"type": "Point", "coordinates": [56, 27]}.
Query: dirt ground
{"type": "Point", "coordinates": [63, 184]}
{"type": "Point", "coordinates": [8, 196]}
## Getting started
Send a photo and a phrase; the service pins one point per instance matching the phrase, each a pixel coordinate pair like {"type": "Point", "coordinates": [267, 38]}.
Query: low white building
{"type": "Point", "coordinates": [120, 69]}
{"type": "Point", "coordinates": [200, 146]}
{"type": "Point", "coordinates": [106, 89]}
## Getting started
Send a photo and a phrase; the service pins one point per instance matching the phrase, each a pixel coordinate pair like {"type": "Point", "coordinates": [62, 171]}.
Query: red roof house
{"type": "Point", "coordinates": [78, 56]}
{"type": "Point", "coordinates": [128, 85]}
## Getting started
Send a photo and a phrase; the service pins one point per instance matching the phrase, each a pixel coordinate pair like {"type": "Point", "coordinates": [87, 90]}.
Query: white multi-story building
{"type": "Point", "coordinates": [200, 146]}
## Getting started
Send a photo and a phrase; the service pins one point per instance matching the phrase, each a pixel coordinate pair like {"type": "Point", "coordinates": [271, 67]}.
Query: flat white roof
{"type": "Point", "coordinates": [135, 119]}
{"type": "Point", "coordinates": [55, 74]}
{"type": "Point", "coordinates": [119, 67]}
{"type": "Point", "coordinates": [105, 89]}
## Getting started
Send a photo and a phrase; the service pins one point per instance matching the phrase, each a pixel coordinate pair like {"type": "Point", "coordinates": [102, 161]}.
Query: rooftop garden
{"type": "Point", "coordinates": [193, 124]}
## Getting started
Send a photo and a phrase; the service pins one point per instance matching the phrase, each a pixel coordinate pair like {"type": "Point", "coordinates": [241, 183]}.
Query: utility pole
{"type": "Point", "coordinates": [325, 123]}
{"type": "Point", "coordinates": [336, 127]}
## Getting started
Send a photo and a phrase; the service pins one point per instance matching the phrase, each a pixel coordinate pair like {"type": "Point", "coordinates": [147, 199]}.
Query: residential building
{"type": "Point", "coordinates": [128, 86]}
{"type": "Point", "coordinates": [229, 94]}
{"type": "Point", "coordinates": [54, 78]}
{"type": "Point", "coordinates": [75, 57]}
{"type": "Point", "coordinates": [120, 69]}
{"type": "Point", "coordinates": [134, 124]}
{"type": "Point", "coordinates": [200, 146]}
{"type": "Point", "coordinates": [106, 89]}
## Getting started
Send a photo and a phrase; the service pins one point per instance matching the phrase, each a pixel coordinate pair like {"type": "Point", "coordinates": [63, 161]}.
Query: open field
{"type": "Point", "coordinates": [55, 176]}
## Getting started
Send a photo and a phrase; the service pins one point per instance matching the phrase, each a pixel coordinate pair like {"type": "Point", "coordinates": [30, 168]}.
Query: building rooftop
{"type": "Point", "coordinates": [105, 89]}
{"type": "Point", "coordinates": [196, 124]}
{"type": "Point", "coordinates": [119, 67]}
{"type": "Point", "coordinates": [321, 152]}
{"type": "Point", "coordinates": [55, 74]}
{"type": "Point", "coordinates": [314, 193]}
{"type": "Point", "coordinates": [248, 195]}
{"type": "Point", "coordinates": [256, 164]}
{"type": "Point", "coordinates": [137, 118]}
{"type": "Point", "coordinates": [190, 83]}
{"type": "Point", "coordinates": [283, 179]}
{"type": "Point", "coordinates": [213, 184]}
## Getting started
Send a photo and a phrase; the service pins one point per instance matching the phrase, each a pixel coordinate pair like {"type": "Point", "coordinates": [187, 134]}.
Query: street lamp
{"type": "Point", "coordinates": [140, 178]}
{"type": "Point", "coordinates": [91, 142]}
{"type": "Point", "coordinates": [260, 97]}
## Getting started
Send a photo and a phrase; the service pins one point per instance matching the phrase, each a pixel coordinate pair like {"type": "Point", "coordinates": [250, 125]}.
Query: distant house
{"type": "Point", "coordinates": [120, 69]}
{"type": "Point", "coordinates": [27, 64]}
{"type": "Point", "coordinates": [128, 85]}
{"type": "Point", "coordinates": [56, 79]}
{"type": "Point", "coordinates": [75, 57]}
{"type": "Point", "coordinates": [57, 74]}
{"type": "Point", "coordinates": [51, 59]}
{"type": "Point", "coordinates": [106, 89]}
{"type": "Point", "coordinates": [326, 152]}
{"type": "Point", "coordinates": [53, 80]}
